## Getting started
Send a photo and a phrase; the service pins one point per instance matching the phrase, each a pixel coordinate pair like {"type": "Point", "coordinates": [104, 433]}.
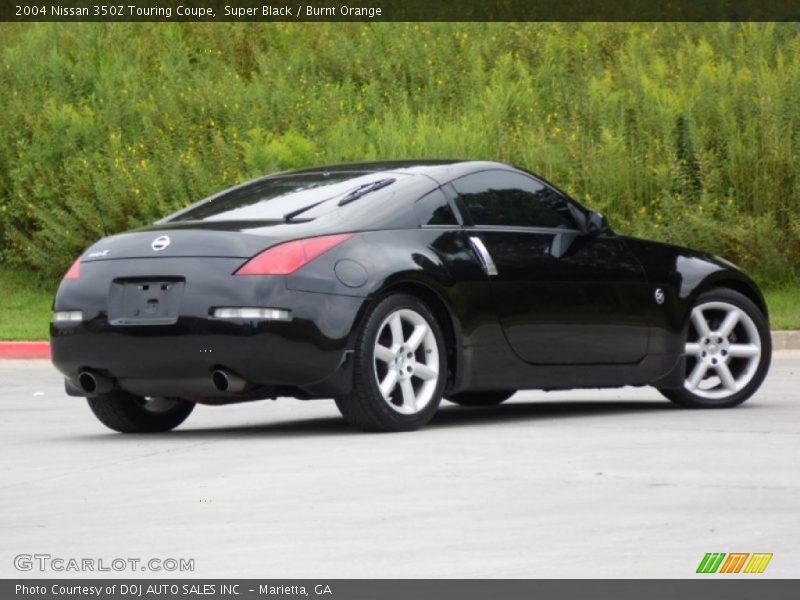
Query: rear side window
{"type": "Point", "coordinates": [309, 195]}
{"type": "Point", "coordinates": [510, 199]}
{"type": "Point", "coordinates": [434, 209]}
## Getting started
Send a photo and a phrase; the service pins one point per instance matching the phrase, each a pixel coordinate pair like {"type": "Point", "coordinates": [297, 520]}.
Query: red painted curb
{"type": "Point", "coordinates": [24, 350]}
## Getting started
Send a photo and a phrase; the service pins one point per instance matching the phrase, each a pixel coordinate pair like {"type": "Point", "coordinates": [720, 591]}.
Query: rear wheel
{"type": "Point", "coordinates": [127, 413]}
{"type": "Point", "coordinates": [490, 398]}
{"type": "Point", "coordinates": [728, 351]}
{"type": "Point", "coordinates": [400, 367]}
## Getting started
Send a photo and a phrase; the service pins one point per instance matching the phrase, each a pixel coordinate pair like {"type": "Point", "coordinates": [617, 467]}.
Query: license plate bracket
{"type": "Point", "coordinates": [145, 301]}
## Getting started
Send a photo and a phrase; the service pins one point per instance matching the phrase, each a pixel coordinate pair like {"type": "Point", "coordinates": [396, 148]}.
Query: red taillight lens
{"type": "Point", "coordinates": [74, 271]}
{"type": "Point", "coordinates": [285, 259]}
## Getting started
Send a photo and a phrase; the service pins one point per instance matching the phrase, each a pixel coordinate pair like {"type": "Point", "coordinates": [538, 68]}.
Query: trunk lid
{"type": "Point", "coordinates": [196, 240]}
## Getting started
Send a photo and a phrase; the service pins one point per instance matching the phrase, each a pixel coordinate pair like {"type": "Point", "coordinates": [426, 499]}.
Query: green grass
{"type": "Point", "coordinates": [784, 307]}
{"type": "Point", "coordinates": [25, 307]}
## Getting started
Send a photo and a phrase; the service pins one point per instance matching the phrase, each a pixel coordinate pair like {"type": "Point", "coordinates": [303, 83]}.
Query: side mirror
{"type": "Point", "coordinates": [596, 222]}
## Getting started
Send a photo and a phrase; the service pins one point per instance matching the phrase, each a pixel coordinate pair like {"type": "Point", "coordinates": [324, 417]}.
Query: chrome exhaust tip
{"type": "Point", "coordinates": [225, 381]}
{"type": "Point", "coordinates": [94, 384]}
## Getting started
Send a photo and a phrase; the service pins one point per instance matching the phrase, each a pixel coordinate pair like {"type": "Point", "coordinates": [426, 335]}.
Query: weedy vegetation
{"type": "Point", "coordinates": [686, 133]}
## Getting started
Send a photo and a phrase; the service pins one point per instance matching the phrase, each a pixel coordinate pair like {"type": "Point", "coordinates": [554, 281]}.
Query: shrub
{"type": "Point", "coordinates": [682, 132]}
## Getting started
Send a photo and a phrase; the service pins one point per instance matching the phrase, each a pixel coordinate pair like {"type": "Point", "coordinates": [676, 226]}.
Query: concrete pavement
{"type": "Point", "coordinates": [572, 484]}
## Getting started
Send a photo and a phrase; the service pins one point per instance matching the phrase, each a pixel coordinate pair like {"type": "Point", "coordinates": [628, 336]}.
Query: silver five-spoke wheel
{"type": "Point", "coordinates": [406, 361]}
{"type": "Point", "coordinates": [399, 366]}
{"type": "Point", "coordinates": [723, 350]}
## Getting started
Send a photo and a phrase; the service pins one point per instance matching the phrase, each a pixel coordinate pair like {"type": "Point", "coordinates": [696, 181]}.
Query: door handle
{"type": "Point", "coordinates": [483, 256]}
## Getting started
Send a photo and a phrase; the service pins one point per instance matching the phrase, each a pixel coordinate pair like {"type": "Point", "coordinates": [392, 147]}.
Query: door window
{"type": "Point", "coordinates": [506, 198]}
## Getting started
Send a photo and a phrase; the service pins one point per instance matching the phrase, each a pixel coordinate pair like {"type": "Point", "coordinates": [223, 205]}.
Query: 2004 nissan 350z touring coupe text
{"type": "Point", "coordinates": [388, 286]}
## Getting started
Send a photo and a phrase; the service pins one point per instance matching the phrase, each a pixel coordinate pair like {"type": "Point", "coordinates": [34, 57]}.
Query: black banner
{"type": "Point", "coordinates": [399, 10]}
{"type": "Point", "coordinates": [401, 589]}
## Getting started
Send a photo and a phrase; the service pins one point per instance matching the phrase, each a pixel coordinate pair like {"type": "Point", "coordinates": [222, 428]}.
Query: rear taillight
{"type": "Point", "coordinates": [285, 259]}
{"type": "Point", "coordinates": [74, 271]}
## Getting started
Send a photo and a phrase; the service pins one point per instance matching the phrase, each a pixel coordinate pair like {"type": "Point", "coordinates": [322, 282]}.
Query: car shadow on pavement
{"type": "Point", "coordinates": [448, 416]}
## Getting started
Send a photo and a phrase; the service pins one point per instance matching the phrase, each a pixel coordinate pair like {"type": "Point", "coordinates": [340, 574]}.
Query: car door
{"type": "Point", "coordinates": [563, 296]}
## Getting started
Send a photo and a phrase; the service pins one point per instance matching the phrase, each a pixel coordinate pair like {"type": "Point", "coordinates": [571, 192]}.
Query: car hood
{"type": "Point", "coordinates": [641, 245]}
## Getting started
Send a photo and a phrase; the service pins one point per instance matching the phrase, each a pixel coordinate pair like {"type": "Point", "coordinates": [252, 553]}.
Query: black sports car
{"type": "Point", "coordinates": [388, 286]}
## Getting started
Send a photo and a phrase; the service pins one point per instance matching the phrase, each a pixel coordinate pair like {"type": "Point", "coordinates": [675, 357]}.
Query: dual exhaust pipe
{"type": "Point", "coordinates": [93, 383]}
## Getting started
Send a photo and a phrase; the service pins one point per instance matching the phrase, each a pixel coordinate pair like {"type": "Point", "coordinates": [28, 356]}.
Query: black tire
{"type": "Point", "coordinates": [365, 407]}
{"type": "Point", "coordinates": [127, 413]}
{"type": "Point", "coordinates": [686, 398]}
{"type": "Point", "coordinates": [488, 398]}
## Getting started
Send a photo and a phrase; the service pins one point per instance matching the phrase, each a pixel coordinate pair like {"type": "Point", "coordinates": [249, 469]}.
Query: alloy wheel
{"type": "Point", "coordinates": [723, 350]}
{"type": "Point", "coordinates": [406, 361]}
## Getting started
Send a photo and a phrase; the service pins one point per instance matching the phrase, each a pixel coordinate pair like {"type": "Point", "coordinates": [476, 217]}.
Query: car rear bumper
{"type": "Point", "coordinates": [306, 355]}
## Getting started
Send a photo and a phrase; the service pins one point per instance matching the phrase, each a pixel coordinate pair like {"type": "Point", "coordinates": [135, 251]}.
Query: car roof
{"type": "Point", "coordinates": [440, 170]}
{"type": "Point", "coordinates": [415, 177]}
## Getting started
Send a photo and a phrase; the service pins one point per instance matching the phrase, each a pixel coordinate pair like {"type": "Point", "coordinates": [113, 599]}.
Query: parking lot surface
{"type": "Point", "coordinates": [613, 483]}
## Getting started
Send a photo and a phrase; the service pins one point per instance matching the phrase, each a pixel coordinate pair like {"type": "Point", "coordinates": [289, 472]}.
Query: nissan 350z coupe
{"type": "Point", "coordinates": [388, 286]}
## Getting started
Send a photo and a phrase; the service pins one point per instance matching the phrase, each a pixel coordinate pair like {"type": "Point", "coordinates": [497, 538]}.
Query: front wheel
{"type": "Point", "coordinates": [127, 413]}
{"type": "Point", "coordinates": [728, 351]}
{"type": "Point", "coordinates": [400, 367]}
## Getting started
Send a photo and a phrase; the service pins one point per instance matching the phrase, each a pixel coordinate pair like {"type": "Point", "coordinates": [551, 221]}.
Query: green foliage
{"type": "Point", "coordinates": [687, 133]}
{"type": "Point", "coordinates": [25, 310]}
{"type": "Point", "coordinates": [784, 309]}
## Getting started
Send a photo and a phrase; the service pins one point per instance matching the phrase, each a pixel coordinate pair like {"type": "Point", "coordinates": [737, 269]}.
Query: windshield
{"type": "Point", "coordinates": [305, 196]}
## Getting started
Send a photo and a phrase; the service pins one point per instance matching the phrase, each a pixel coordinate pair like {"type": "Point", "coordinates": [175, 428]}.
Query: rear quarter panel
{"type": "Point", "coordinates": [435, 261]}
